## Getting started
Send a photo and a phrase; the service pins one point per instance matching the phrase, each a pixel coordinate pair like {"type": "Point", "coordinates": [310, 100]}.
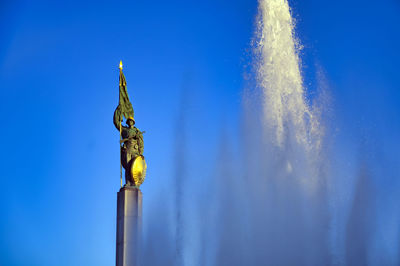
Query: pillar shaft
{"type": "Point", "coordinates": [129, 225]}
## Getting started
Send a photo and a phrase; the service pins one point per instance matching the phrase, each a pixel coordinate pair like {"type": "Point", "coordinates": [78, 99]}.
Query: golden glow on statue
{"type": "Point", "coordinates": [120, 65]}
{"type": "Point", "coordinates": [138, 170]}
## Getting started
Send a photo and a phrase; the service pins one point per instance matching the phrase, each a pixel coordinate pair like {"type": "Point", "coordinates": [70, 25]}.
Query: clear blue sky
{"type": "Point", "coordinates": [59, 87]}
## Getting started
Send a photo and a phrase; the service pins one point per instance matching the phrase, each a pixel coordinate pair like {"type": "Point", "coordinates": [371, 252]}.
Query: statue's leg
{"type": "Point", "coordinates": [124, 159]}
{"type": "Point", "coordinates": [127, 180]}
{"type": "Point", "coordinates": [128, 173]}
{"type": "Point", "coordinates": [125, 164]}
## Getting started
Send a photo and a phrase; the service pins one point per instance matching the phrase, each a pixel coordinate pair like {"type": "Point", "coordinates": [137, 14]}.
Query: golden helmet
{"type": "Point", "coordinates": [131, 118]}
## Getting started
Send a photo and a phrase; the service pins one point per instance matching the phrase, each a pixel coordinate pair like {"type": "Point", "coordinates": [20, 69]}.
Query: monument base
{"type": "Point", "coordinates": [129, 225]}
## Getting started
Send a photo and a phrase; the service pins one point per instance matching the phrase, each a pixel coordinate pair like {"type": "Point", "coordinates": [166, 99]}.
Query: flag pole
{"type": "Point", "coordinates": [120, 137]}
{"type": "Point", "coordinates": [120, 155]}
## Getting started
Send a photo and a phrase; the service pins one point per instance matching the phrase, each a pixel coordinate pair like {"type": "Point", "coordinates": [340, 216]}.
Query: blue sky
{"type": "Point", "coordinates": [59, 88]}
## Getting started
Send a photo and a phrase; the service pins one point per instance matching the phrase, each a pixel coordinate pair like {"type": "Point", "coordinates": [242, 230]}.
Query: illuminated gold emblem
{"type": "Point", "coordinates": [138, 170]}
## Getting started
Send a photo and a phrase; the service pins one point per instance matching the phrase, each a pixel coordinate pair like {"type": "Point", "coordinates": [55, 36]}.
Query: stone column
{"type": "Point", "coordinates": [129, 226]}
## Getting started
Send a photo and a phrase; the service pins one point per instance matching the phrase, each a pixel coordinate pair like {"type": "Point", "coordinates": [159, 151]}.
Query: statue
{"type": "Point", "coordinates": [131, 138]}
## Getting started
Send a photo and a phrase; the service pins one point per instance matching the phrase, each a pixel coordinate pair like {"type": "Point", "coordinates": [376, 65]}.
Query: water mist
{"type": "Point", "coordinates": [271, 203]}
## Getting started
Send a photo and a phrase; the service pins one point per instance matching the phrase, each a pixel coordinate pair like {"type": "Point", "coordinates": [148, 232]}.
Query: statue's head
{"type": "Point", "coordinates": [130, 121]}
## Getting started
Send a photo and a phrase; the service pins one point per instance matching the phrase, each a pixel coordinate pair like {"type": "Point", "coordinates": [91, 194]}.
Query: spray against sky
{"type": "Point", "coordinates": [279, 74]}
{"type": "Point", "coordinates": [280, 201]}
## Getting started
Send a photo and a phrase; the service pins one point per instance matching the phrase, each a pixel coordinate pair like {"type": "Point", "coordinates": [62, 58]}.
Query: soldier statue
{"type": "Point", "coordinates": [132, 158]}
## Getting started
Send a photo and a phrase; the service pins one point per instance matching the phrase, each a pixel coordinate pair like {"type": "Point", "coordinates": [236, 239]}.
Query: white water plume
{"type": "Point", "coordinates": [279, 75]}
{"type": "Point", "coordinates": [286, 171]}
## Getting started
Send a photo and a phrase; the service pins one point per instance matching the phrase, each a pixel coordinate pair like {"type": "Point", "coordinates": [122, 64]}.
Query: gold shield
{"type": "Point", "coordinates": [138, 170]}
